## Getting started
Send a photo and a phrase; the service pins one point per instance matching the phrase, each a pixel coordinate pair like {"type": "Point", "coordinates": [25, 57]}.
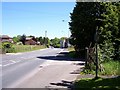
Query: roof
{"type": "Point", "coordinates": [28, 38]}
{"type": "Point", "coordinates": [4, 36]}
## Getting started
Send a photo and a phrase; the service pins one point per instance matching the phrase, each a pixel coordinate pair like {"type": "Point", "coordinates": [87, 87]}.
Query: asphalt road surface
{"type": "Point", "coordinates": [37, 69]}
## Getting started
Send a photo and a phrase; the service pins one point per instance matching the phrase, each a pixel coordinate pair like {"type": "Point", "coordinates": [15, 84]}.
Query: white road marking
{"type": "Point", "coordinates": [13, 61]}
{"type": "Point", "coordinates": [8, 64]}
{"type": "Point", "coordinates": [0, 65]}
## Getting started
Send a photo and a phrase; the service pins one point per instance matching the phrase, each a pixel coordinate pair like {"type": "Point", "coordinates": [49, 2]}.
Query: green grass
{"type": "Point", "coordinates": [96, 84]}
{"type": "Point", "coordinates": [71, 53]}
{"type": "Point", "coordinates": [24, 48]}
{"type": "Point", "coordinates": [71, 49]}
{"type": "Point", "coordinates": [0, 45]}
{"type": "Point", "coordinates": [111, 68]}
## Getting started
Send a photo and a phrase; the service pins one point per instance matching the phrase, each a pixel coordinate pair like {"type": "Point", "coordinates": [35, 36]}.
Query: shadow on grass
{"type": "Point", "coordinates": [98, 84]}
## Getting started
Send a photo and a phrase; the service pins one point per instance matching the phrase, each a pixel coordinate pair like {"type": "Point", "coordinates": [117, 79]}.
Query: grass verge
{"type": "Point", "coordinates": [71, 53]}
{"type": "Point", "coordinates": [24, 48]}
{"type": "Point", "coordinates": [96, 84]}
{"type": "Point", "coordinates": [111, 68]}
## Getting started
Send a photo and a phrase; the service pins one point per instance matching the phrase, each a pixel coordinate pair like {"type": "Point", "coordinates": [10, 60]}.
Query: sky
{"type": "Point", "coordinates": [34, 18]}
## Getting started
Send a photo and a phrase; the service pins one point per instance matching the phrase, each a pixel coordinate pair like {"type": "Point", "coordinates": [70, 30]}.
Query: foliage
{"type": "Point", "coordinates": [23, 39]}
{"type": "Point", "coordinates": [108, 68]}
{"type": "Point", "coordinates": [6, 45]}
{"type": "Point", "coordinates": [103, 18]}
{"type": "Point", "coordinates": [55, 42]}
{"type": "Point", "coordinates": [109, 32]}
{"type": "Point", "coordinates": [46, 41]}
{"type": "Point", "coordinates": [111, 68]}
{"type": "Point", "coordinates": [23, 48]}
{"type": "Point", "coordinates": [16, 38]}
{"type": "Point", "coordinates": [10, 50]}
{"type": "Point", "coordinates": [83, 25]}
{"type": "Point", "coordinates": [0, 45]}
{"type": "Point", "coordinates": [97, 84]}
{"type": "Point", "coordinates": [43, 40]}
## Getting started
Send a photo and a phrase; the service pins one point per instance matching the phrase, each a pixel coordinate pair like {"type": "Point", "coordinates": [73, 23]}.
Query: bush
{"type": "Point", "coordinates": [57, 46]}
{"type": "Point", "coordinates": [10, 50]}
{"type": "Point", "coordinates": [6, 45]}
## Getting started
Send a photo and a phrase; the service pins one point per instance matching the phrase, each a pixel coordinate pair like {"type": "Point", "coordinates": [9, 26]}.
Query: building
{"type": "Point", "coordinates": [64, 43]}
{"type": "Point", "coordinates": [30, 41]}
{"type": "Point", "coordinates": [5, 38]}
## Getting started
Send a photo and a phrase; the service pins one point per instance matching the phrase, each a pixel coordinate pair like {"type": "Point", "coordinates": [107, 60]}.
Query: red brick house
{"type": "Point", "coordinates": [5, 38]}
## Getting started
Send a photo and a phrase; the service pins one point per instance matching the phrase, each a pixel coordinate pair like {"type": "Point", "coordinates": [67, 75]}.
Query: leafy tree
{"type": "Point", "coordinates": [40, 39]}
{"type": "Point", "coordinates": [16, 39]}
{"type": "Point", "coordinates": [109, 32]}
{"type": "Point", "coordinates": [83, 25]}
{"type": "Point", "coordinates": [37, 38]}
{"type": "Point", "coordinates": [55, 42]}
{"type": "Point", "coordinates": [23, 39]}
{"type": "Point", "coordinates": [46, 41]}
{"type": "Point", "coordinates": [86, 18]}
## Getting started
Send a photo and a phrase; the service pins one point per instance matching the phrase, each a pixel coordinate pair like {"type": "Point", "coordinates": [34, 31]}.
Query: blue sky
{"type": "Point", "coordinates": [34, 18]}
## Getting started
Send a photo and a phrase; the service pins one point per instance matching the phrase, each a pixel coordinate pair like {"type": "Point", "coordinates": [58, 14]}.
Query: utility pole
{"type": "Point", "coordinates": [45, 38]}
{"type": "Point", "coordinates": [66, 36]}
{"type": "Point", "coordinates": [96, 41]}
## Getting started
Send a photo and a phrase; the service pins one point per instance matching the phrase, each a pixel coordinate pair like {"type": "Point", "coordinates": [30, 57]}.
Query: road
{"type": "Point", "coordinates": [36, 69]}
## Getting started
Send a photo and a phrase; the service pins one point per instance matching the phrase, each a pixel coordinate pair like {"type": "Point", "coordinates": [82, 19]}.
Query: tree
{"type": "Point", "coordinates": [40, 39]}
{"type": "Point", "coordinates": [23, 39]}
{"type": "Point", "coordinates": [110, 32]}
{"type": "Point", "coordinates": [16, 39]}
{"type": "Point", "coordinates": [86, 18]}
{"type": "Point", "coordinates": [83, 25]}
{"type": "Point", "coordinates": [55, 42]}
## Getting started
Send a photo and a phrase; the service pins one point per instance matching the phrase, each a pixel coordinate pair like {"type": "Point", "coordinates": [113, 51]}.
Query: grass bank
{"type": "Point", "coordinates": [24, 48]}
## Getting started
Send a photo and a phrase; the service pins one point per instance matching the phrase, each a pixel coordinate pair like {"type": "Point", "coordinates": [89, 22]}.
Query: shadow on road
{"type": "Point", "coordinates": [64, 83]}
{"type": "Point", "coordinates": [62, 56]}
